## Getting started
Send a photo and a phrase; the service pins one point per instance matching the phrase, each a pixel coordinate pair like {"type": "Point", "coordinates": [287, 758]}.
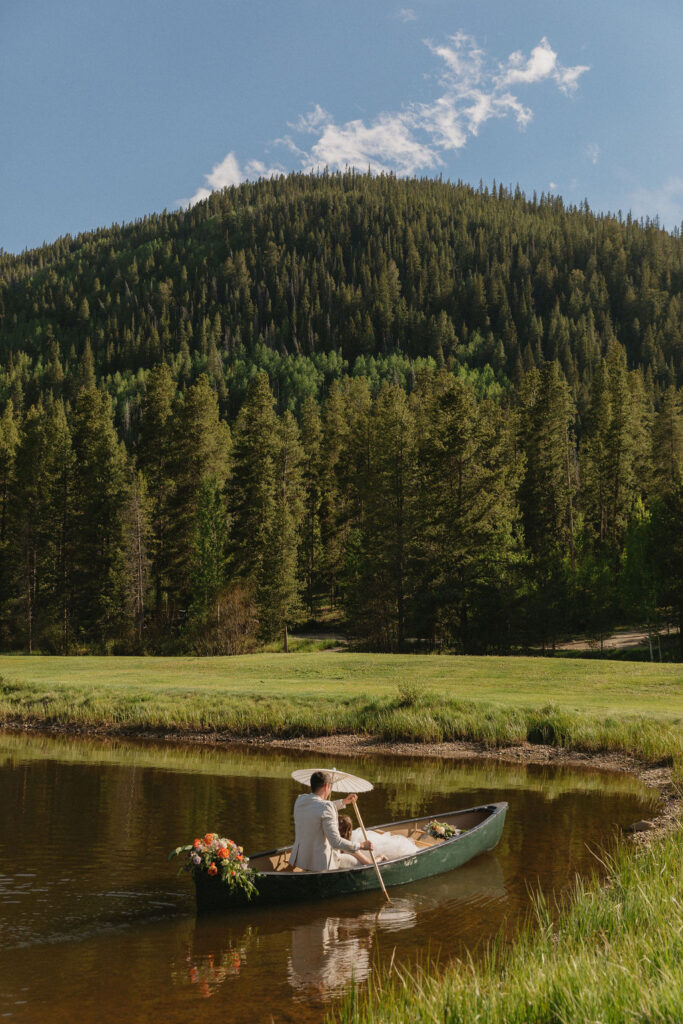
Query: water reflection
{"type": "Point", "coordinates": [325, 951]}
{"type": "Point", "coordinates": [97, 906]}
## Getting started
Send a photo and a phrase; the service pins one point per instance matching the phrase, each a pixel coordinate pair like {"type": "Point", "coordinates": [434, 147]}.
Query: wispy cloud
{"type": "Point", "coordinates": [406, 14]}
{"type": "Point", "coordinates": [593, 152]}
{"type": "Point", "coordinates": [473, 88]}
{"type": "Point", "coordinates": [665, 202]}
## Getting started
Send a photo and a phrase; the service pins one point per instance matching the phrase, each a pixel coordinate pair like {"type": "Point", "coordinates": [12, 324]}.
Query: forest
{"type": "Point", "coordinates": [443, 417]}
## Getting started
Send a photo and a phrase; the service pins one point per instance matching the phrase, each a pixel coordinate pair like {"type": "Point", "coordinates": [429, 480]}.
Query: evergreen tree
{"type": "Point", "coordinates": [252, 486]}
{"type": "Point", "coordinates": [26, 522]}
{"type": "Point", "coordinates": [279, 588]}
{"type": "Point", "coordinates": [467, 547]}
{"type": "Point", "coordinates": [99, 481]}
{"type": "Point", "coordinates": [667, 444]}
{"type": "Point", "coordinates": [137, 543]}
{"type": "Point", "coordinates": [9, 439]}
{"type": "Point", "coordinates": [547, 498]}
{"type": "Point", "coordinates": [377, 592]}
{"type": "Point", "coordinates": [155, 458]}
{"type": "Point", "coordinates": [311, 552]}
{"type": "Point", "coordinates": [201, 453]}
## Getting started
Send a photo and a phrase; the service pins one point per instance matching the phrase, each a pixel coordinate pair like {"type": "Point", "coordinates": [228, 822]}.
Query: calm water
{"type": "Point", "coordinates": [95, 926]}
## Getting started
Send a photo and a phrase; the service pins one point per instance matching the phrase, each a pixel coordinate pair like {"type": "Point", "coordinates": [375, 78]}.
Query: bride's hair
{"type": "Point", "coordinates": [345, 826]}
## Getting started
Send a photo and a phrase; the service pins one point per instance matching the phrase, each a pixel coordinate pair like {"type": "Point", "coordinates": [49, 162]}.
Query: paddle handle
{"type": "Point", "coordinates": [372, 853]}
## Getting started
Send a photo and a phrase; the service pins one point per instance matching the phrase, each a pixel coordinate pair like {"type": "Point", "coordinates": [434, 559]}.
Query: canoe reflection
{"type": "Point", "coordinates": [330, 952]}
{"type": "Point", "coordinates": [324, 952]}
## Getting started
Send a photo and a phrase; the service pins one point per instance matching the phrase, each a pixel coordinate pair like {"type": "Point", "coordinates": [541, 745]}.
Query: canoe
{"type": "Point", "coordinates": [278, 882]}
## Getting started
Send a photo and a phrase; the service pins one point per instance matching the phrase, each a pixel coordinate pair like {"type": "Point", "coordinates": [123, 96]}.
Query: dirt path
{"type": "Point", "coordinates": [620, 641]}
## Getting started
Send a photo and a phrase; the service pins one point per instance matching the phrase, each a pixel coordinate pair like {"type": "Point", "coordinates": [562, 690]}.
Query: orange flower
{"type": "Point", "coordinates": [208, 838]}
{"type": "Point", "coordinates": [196, 843]}
{"type": "Point", "coordinates": [224, 853]}
{"type": "Point", "coordinates": [213, 870]}
{"type": "Point", "coordinates": [239, 856]}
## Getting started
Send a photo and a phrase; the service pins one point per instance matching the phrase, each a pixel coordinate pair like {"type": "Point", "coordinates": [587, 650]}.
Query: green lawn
{"type": "Point", "coordinates": [586, 705]}
{"type": "Point", "coordinates": [609, 686]}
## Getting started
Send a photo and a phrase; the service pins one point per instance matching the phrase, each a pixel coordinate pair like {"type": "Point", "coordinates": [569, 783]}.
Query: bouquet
{"type": "Point", "coordinates": [441, 830]}
{"type": "Point", "coordinates": [217, 856]}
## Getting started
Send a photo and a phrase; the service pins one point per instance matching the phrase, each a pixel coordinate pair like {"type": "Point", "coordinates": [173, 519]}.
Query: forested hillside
{"type": "Point", "coordinates": [445, 414]}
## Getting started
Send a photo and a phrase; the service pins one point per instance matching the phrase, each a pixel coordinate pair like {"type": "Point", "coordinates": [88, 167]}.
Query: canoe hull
{"type": "Point", "coordinates": [287, 886]}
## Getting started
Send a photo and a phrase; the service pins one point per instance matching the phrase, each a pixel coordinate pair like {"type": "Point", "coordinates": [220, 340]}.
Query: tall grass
{"type": "Point", "coordinates": [126, 707]}
{"type": "Point", "coordinates": [613, 955]}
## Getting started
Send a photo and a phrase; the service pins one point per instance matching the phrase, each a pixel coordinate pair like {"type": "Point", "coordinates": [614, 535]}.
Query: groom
{"type": "Point", "coordinates": [316, 829]}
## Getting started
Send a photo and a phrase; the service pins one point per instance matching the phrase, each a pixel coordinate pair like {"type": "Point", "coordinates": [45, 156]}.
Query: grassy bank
{"type": "Point", "coordinates": [613, 956]}
{"type": "Point", "coordinates": [588, 706]}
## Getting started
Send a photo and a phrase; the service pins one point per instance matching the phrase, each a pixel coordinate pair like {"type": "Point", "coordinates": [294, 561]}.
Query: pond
{"type": "Point", "coordinates": [96, 926]}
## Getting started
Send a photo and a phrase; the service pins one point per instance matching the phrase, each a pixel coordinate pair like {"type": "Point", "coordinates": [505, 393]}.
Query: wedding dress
{"type": "Point", "coordinates": [385, 844]}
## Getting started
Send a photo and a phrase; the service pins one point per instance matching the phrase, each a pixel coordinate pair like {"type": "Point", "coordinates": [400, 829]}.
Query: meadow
{"type": "Point", "coordinates": [587, 705]}
{"type": "Point", "coordinates": [611, 953]}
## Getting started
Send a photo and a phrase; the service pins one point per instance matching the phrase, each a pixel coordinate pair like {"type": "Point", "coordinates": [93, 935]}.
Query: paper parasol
{"type": "Point", "coordinates": [342, 782]}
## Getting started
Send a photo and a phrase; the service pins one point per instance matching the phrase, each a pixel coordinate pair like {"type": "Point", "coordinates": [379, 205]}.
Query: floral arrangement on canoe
{"type": "Point", "coordinates": [441, 830]}
{"type": "Point", "coordinates": [218, 856]}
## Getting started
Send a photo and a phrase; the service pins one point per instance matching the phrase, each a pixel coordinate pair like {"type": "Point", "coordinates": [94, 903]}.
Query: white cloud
{"type": "Point", "coordinates": [387, 144]}
{"type": "Point", "coordinates": [406, 14]}
{"type": "Point", "coordinates": [593, 152]}
{"type": "Point", "coordinates": [665, 202]}
{"type": "Point", "coordinates": [473, 89]}
{"type": "Point", "coordinates": [552, 185]}
{"type": "Point", "coordinates": [541, 64]}
{"type": "Point", "coordinates": [228, 172]}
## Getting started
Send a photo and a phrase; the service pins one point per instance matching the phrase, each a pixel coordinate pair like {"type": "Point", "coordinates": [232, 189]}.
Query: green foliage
{"type": "Point", "coordinates": [451, 417]}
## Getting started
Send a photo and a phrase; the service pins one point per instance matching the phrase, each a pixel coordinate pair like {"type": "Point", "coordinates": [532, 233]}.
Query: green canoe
{"type": "Point", "coordinates": [277, 882]}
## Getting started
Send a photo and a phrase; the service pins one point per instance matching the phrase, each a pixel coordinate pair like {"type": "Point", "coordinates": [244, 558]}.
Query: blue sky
{"type": "Point", "coordinates": [113, 110]}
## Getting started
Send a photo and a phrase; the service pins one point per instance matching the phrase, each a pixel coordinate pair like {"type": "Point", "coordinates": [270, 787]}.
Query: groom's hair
{"type": "Point", "coordinates": [320, 779]}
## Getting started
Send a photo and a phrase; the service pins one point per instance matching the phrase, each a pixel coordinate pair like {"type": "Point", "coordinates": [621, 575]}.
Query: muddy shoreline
{"type": "Point", "coordinates": [655, 776]}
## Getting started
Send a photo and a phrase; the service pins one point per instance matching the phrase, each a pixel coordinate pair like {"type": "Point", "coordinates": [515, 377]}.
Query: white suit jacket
{"type": "Point", "coordinates": [316, 834]}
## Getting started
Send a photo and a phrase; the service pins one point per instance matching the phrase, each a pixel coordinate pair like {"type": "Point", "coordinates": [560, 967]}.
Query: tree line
{"type": "Point", "coordinates": [316, 277]}
{"type": "Point", "coordinates": [440, 514]}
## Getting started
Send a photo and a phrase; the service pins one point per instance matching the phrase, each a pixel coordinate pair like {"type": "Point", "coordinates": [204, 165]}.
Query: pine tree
{"type": "Point", "coordinates": [279, 589]}
{"type": "Point", "coordinates": [547, 497]}
{"type": "Point", "coordinates": [9, 439]}
{"type": "Point", "coordinates": [201, 453]}
{"type": "Point", "coordinates": [377, 590]}
{"type": "Point", "coordinates": [667, 444]}
{"type": "Point", "coordinates": [311, 552]}
{"type": "Point", "coordinates": [155, 457]}
{"type": "Point", "coordinates": [99, 497]}
{"type": "Point", "coordinates": [137, 542]}
{"type": "Point", "coordinates": [469, 472]}
{"type": "Point", "coordinates": [26, 521]}
{"type": "Point", "coordinates": [252, 486]}
{"type": "Point", "coordinates": [209, 542]}
{"type": "Point", "coordinates": [59, 532]}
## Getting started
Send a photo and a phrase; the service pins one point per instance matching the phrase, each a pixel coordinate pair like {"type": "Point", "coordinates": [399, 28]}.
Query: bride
{"type": "Point", "coordinates": [385, 845]}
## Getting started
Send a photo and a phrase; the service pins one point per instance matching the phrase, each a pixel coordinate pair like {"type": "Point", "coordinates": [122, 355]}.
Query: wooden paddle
{"type": "Point", "coordinates": [372, 853]}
